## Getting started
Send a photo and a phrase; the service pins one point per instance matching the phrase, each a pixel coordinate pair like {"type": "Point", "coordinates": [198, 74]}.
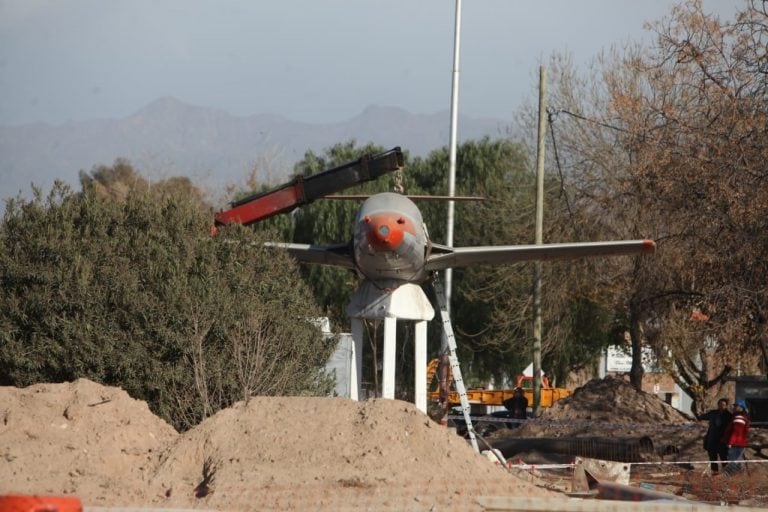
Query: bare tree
{"type": "Point", "coordinates": [669, 142]}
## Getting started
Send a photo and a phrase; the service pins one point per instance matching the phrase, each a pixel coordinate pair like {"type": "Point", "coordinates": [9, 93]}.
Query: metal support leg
{"type": "Point", "coordinates": [388, 366]}
{"type": "Point", "coordinates": [356, 372]}
{"type": "Point", "coordinates": [420, 360]}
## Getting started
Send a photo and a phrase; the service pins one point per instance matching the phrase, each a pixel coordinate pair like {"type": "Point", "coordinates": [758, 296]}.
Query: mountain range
{"type": "Point", "coordinates": [214, 148]}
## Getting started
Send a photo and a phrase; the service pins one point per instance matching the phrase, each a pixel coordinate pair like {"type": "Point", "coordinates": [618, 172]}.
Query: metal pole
{"type": "Point", "coordinates": [452, 155]}
{"type": "Point", "coordinates": [539, 240]}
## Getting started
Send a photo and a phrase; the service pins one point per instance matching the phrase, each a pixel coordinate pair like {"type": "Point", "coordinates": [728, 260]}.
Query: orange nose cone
{"type": "Point", "coordinates": [384, 233]}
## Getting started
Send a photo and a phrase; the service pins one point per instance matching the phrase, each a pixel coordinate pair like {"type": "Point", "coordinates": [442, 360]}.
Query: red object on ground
{"type": "Point", "coordinates": [24, 503]}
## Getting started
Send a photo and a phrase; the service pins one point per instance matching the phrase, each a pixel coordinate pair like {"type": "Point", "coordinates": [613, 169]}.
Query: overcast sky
{"type": "Point", "coordinates": [308, 60]}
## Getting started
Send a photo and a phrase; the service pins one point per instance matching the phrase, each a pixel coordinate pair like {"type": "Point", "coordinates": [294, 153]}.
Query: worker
{"type": "Point", "coordinates": [736, 436]}
{"type": "Point", "coordinates": [714, 444]}
{"type": "Point", "coordinates": [517, 405]}
{"type": "Point", "coordinates": [444, 385]}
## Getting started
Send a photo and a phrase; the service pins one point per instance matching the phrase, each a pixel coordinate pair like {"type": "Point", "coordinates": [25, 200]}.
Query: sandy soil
{"type": "Point", "coordinates": [294, 453]}
{"type": "Point", "coordinates": [612, 410]}
{"type": "Point", "coordinates": [99, 444]}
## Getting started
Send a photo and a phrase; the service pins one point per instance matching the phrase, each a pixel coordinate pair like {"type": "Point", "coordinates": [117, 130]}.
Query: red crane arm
{"type": "Point", "coordinates": [303, 190]}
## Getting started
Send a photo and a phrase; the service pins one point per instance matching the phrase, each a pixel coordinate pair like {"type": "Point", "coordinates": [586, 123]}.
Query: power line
{"type": "Point", "coordinates": [554, 113]}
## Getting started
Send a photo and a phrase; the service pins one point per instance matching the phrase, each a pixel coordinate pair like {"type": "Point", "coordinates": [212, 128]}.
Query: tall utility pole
{"type": "Point", "coordinates": [539, 241]}
{"type": "Point", "coordinates": [452, 157]}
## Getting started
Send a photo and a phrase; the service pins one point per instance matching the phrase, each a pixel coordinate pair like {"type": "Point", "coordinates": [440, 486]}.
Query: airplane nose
{"type": "Point", "coordinates": [385, 233]}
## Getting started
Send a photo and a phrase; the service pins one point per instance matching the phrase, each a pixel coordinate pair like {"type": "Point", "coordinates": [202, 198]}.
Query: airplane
{"type": "Point", "coordinates": [390, 246]}
{"type": "Point", "coordinates": [393, 255]}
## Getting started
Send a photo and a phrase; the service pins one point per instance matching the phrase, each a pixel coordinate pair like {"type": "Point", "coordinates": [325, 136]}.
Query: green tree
{"type": "Point", "coordinates": [133, 292]}
{"type": "Point", "coordinates": [497, 171]}
{"type": "Point", "coordinates": [491, 311]}
{"type": "Point", "coordinates": [326, 222]}
{"type": "Point", "coordinates": [492, 308]}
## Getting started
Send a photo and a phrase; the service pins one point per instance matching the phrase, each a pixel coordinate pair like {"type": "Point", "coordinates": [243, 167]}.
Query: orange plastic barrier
{"type": "Point", "coordinates": [21, 503]}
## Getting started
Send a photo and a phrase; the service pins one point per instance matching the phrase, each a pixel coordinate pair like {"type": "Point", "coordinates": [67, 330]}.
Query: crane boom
{"type": "Point", "coordinates": [303, 190]}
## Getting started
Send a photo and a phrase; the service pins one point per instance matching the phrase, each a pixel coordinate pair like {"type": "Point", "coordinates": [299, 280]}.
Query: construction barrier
{"type": "Point", "coordinates": [472, 494]}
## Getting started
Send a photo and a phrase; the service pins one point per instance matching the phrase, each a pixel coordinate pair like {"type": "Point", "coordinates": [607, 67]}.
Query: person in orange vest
{"type": "Point", "coordinates": [736, 436]}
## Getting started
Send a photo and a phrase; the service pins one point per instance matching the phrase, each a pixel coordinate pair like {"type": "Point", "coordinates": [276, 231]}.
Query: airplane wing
{"type": "Point", "coordinates": [339, 255]}
{"type": "Point", "coordinates": [442, 257]}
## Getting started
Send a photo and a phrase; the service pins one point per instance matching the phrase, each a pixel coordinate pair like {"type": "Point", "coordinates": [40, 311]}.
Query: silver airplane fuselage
{"type": "Point", "coordinates": [390, 240]}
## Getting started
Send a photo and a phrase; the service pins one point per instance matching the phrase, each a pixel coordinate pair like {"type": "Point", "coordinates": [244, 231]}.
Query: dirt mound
{"type": "Point", "coordinates": [78, 438]}
{"type": "Point", "coordinates": [272, 454]}
{"type": "Point", "coordinates": [282, 452]}
{"type": "Point", "coordinates": [614, 400]}
{"type": "Point", "coordinates": [612, 412]}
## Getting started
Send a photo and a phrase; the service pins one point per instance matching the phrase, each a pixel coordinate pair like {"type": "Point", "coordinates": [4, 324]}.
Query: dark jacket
{"type": "Point", "coordinates": [718, 421]}
{"type": "Point", "coordinates": [517, 406]}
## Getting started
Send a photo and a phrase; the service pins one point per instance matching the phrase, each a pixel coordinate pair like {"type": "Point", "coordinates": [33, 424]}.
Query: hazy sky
{"type": "Point", "coordinates": [308, 60]}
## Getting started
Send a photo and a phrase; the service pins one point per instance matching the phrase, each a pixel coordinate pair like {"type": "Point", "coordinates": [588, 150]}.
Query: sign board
{"type": "Point", "coordinates": [619, 359]}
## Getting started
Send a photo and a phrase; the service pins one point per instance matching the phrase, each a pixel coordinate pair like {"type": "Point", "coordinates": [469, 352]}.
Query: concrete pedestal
{"type": "Point", "coordinates": [390, 304]}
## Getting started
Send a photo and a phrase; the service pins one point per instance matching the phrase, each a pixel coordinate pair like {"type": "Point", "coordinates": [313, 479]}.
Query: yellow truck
{"type": "Point", "coordinates": [549, 395]}
{"type": "Point", "coordinates": [497, 396]}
